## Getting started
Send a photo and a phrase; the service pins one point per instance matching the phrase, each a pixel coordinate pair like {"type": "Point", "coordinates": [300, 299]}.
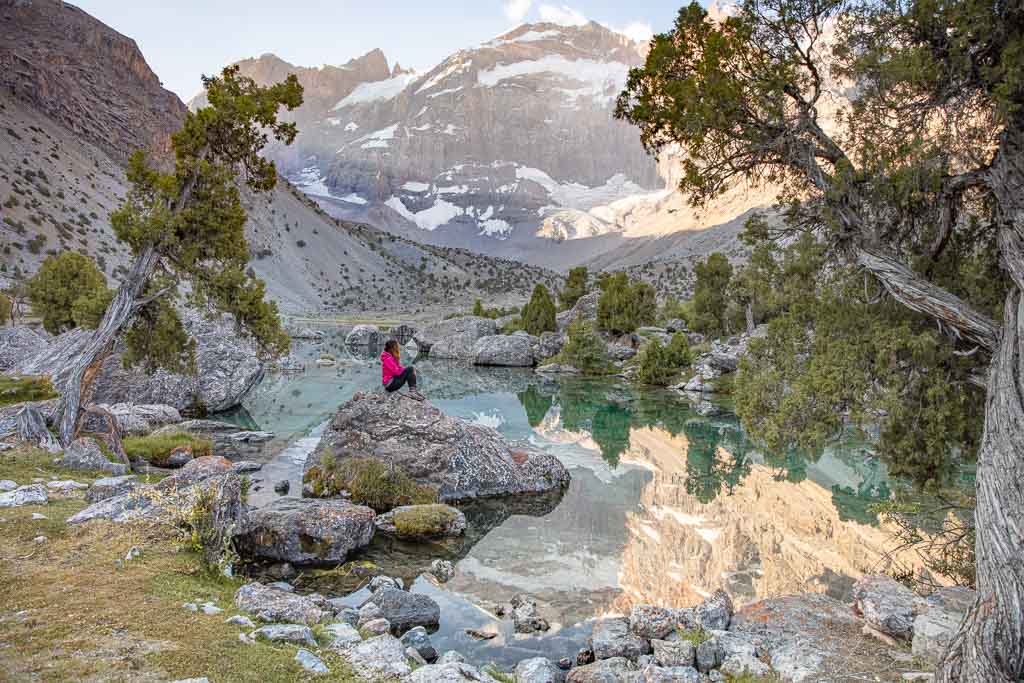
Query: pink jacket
{"type": "Point", "coordinates": [390, 367]}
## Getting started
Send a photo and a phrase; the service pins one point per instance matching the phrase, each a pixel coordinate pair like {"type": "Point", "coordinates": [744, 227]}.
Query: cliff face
{"type": "Point", "coordinates": [85, 75]}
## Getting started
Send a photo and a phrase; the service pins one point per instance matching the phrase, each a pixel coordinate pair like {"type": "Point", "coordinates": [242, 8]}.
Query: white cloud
{"type": "Point", "coordinates": [515, 10]}
{"type": "Point", "coordinates": [640, 31]}
{"type": "Point", "coordinates": [563, 15]}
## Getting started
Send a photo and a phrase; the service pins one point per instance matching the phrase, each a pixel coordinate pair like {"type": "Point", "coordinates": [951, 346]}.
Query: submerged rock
{"type": "Point", "coordinates": [525, 616]}
{"type": "Point", "coordinates": [305, 531]}
{"type": "Point", "coordinates": [456, 458]}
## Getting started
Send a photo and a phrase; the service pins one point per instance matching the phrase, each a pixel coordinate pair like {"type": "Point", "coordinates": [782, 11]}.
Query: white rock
{"type": "Point", "coordinates": [31, 494]}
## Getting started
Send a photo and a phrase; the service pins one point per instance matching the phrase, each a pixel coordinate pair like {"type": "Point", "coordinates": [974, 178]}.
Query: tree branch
{"type": "Point", "coordinates": [922, 296]}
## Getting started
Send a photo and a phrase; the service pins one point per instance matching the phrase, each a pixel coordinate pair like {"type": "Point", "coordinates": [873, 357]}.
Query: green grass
{"type": "Point", "coordinates": [695, 636]}
{"type": "Point", "coordinates": [82, 617]}
{"type": "Point", "coordinates": [492, 671]}
{"type": "Point", "coordinates": [369, 482]}
{"type": "Point", "coordinates": [751, 678]}
{"type": "Point", "coordinates": [20, 389]}
{"type": "Point", "coordinates": [156, 448]}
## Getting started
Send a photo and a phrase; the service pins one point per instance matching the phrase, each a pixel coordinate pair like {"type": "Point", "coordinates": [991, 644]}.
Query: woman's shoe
{"type": "Point", "coordinates": [413, 394]}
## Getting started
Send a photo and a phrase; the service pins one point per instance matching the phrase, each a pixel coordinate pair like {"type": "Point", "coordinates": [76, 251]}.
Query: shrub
{"type": "Point", "coordinates": [157, 448]}
{"type": "Point", "coordinates": [624, 305]}
{"type": "Point", "coordinates": [584, 350]}
{"type": "Point", "coordinates": [710, 298]}
{"type": "Point", "coordinates": [6, 306]}
{"type": "Point", "coordinates": [660, 365]}
{"type": "Point", "coordinates": [20, 389]}
{"type": "Point", "coordinates": [539, 314]}
{"type": "Point", "coordinates": [368, 482]}
{"type": "Point", "coordinates": [58, 284]}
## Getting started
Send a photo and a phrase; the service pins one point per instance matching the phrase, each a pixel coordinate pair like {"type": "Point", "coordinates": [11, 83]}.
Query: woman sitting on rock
{"type": "Point", "coordinates": [394, 375]}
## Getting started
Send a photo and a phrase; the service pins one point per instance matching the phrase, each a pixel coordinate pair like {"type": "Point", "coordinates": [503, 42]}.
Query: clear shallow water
{"type": "Point", "coordinates": [664, 507]}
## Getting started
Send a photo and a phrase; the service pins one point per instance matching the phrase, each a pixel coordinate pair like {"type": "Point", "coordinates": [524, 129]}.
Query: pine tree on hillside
{"type": "Point", "coordinates": [539, 314]}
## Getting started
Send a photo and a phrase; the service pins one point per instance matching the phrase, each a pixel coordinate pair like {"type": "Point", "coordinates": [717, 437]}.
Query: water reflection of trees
{"type": "Point", "coordinates": [719, 454]}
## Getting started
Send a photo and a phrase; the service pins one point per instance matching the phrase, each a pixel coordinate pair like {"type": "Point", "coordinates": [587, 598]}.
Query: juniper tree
{"type": "Point", "coordinates": [710, 295]}
{"type": "Point", "coordinates": [187, 225]}
{"type": "Point", "coordinates": [64, 283]}
{"type": "Point", "coordinates": [915, 186]}
{"type": "Point", "coordinates": [539, 313]}
{"type": "Point", "coordinates": [575, 287]}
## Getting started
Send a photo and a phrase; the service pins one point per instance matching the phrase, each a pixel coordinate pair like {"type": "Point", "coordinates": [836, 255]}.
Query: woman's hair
{"type": "Point", "coordinates": [391, 346]}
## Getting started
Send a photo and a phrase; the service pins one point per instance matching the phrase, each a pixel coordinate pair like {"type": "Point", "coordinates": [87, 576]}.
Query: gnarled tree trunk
{"type": "Point", "coordinates": [989, 646]}
{"type": "Point", "coordinates": [119, 313]}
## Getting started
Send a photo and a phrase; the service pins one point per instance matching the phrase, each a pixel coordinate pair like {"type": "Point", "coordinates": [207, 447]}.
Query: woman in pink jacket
{"type": "Point", "coordinates": [394, 375]}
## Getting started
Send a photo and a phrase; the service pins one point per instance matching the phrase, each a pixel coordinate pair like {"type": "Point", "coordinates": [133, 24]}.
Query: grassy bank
{"type": "Point", "coordinates": [68, 611]}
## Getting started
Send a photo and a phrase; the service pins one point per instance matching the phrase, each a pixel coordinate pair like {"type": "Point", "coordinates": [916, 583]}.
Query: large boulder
{"type": "Point", "coordinates": [365, 335]}
{"type": "Point", "coordinates": [18, 343]}
{"type": "Point", "coordinates": [937, 622]}
{"type": "Point", "coordinates": [405, 610]}
{"type": "Point", "coordinates": [30, 494]}
{"type": "Point", "coordinates": [142, 419]}
{"type": "Point", "coordinates": [538, 670]}
{"type": "Point", "coordinates": [454, 337]}
{"type": "Point", "coordinates": [108, 487]}
{"type": "Point", "coordinates": [459, 459]}
{"type": "Point", "coordinates": [84, 455]}
{"type": "Point", "coordinates": [228, 367]}
{"type": "Point", "coordinates": [613, 670]}
{"type": "Point", "coordinates": [585, 308]}
{"type": "Point", "coordinates": [886, 605]}
{"type": "Point", "coordinates": [509, 350]}
{"type": "Point", "coordinates": [305, 531]}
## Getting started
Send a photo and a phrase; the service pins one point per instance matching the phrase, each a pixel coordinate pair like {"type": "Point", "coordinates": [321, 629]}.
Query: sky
{"type": "Point", "coordinates": [183, 40]}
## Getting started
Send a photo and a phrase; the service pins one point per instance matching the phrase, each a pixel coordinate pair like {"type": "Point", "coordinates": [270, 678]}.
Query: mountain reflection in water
{"type": "Point", "coordinates": [664, 507]}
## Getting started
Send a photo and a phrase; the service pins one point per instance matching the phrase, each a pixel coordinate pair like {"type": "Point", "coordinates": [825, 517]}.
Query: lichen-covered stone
{"type": "Point", "coordinates": [305, 531]}
{"type": "Point", "coordinates": [886, 605]}
{"type": "Point", "coordinates": [272, 605]}
{"type": "Point", "coordinates": [458, 459]}
{"type": "Point", "coordinates": [613, 638]}
{"type": "Point", "coordinates": [406, 610]}
{"type": "Point", "coordinates": [415, 522]}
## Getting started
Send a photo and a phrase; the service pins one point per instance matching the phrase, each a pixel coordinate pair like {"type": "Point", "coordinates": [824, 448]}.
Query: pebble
{"type": "Point", "coordinates": [211, 609]}
{"type": "Point", "coordinates": [240, 620]}
{"type": "Point", "coordinates": [377, 627]}
{"type": "Point", "coordinates": [191, 606]}
{"type": "Point", "coordinates": [39, 540]}
{"type": "Point", "coordinates": [134, 553]}
{"type": "Point", "coordinates": [37, 515]}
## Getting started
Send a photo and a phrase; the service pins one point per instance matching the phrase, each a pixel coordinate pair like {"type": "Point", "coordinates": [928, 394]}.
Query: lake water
{"type": "Point", "coordinates": [665, 506]}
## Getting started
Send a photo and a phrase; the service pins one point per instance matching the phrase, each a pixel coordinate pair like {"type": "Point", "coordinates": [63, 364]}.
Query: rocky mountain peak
{"type": "Point", "coordinates": [85, 75]}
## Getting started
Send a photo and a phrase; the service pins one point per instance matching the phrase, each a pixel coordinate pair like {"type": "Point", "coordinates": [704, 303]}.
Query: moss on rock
{"type": "Point", "coordinates": [368, 482]}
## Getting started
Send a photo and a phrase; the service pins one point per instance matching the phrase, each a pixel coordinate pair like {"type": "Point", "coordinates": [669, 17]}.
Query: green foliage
{"type": "Point", "coordinates": [478, 309]}
{"type": "Point", "coordinates": [710, 295]}
{"type": "Point", "coordinates": [63, 283]}
{"type": "Point", "coordinates": [539, 314]}
{"type": "Point", "coordinates": [661, 365]}
{"type": "Point", "coordinates": [20, 389]}
{"type": "Point", "coordinates": [192, 219]}
{"type": "Point", "coordinates": [425, 520]}
{"type": "Point", "coordinates": [584, 350]}
{"type": "Point", "coordinates": [674, 308]}
{"type": "Point", "coordinates": [157, 448]}
{"type": "Point", "coordinates": [696, 636]}
{"type": "Point", "coordinates": [88, 310]}
{"type": "Point", "coordinates": [624, 305]}
{"type": "Point", "coordinates": [575, 287]}
{"type": "Point", "coordinates": [369, 482]}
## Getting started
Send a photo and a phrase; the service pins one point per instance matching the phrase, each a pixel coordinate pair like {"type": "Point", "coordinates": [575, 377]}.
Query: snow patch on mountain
{"type": "Point", "coordinates": [375, 91]}
{"type": "Point", "coordinates": [602, 81]}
